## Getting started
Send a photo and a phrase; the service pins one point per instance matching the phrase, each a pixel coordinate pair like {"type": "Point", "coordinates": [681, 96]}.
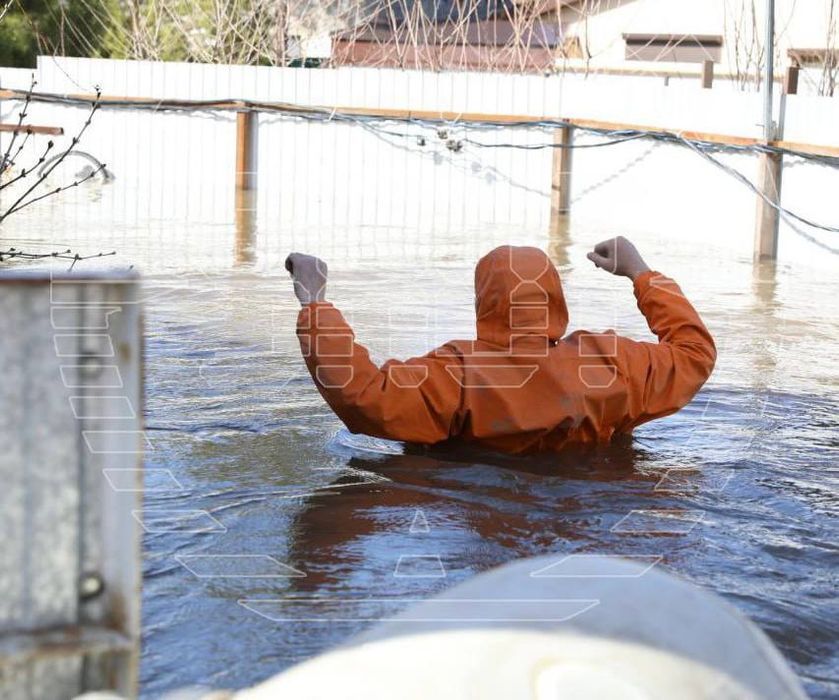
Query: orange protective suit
{"type": "Point", "coordinates": [521, 386]}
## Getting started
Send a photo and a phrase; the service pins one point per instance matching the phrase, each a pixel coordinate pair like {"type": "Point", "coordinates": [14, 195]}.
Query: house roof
{"type": "Point", "coordinates": [395, 12]}
{"type": "Point", "coordinates": [488, 22]}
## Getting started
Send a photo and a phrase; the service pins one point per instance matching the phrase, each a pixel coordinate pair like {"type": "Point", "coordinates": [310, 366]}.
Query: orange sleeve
{"type": "Point", "coordinates": [415, 401]}
{"type": "Point", "coordinates": [664, 376]}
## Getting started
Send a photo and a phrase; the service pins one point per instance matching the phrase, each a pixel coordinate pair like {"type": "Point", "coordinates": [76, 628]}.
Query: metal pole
{"type": "Point", "coordinates": [769, 70]}
{"type": "Point", "coordinates": [771, 164]}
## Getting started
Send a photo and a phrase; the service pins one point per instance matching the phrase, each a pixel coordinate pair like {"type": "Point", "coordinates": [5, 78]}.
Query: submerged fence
{"type": "Point", "coordinates": [329, 173]}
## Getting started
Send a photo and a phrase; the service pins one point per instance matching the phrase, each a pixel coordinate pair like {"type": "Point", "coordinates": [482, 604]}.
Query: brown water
{"type": "Point", "coordinates": [748, 470]}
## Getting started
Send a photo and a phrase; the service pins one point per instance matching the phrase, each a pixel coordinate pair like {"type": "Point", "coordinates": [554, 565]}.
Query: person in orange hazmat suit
{"type": "Point", "coordinates": [522, 385]}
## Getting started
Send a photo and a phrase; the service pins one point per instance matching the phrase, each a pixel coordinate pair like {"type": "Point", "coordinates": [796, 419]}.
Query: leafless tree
{"type": "Point", "coordinates": [23, 179]}
{"type": "Point", "coordinates": [830, 65]}
{"type": "Point", "coordinates": [745, 48]}
{"type": "Point", "coordinates": [4, 8]}
{"type": "Point", "coordinates": [494, 35]}
{"type": "Point", "coordinates": [745, 41]}
{"type": "Point", "coordinates": [512, 35]}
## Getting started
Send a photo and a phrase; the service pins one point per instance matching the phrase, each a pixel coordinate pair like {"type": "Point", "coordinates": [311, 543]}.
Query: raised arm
{"type": "Point", "coordinates": [662, 377]}
{"type": "Point", "coordinates": [414, 401]}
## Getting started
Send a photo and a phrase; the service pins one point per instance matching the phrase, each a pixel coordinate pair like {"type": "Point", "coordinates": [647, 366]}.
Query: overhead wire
{"type": "Point", "coordinates": [375, 123]}
{"type": "Point", "coordinates": [786, 213]}
{"type": "Point", "coordinates": [330, 114]}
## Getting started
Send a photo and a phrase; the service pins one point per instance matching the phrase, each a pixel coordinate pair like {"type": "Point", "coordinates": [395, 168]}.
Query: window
{"type": "Point", "coordinates": [814, 58]}
{"type": "Point", "coordinates": [679, 48]}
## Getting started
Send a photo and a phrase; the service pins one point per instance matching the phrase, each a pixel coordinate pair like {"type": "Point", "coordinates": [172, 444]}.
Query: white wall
{"type": "Point", "coordinates": [798, 24]}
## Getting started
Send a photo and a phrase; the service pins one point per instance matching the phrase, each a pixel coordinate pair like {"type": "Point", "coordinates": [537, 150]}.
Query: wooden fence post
{"type": "Point", "coordinates": [561, 171]}
{"type": "Point", "coordinates": [767, 216]}
{"type": "Point", "coordinates": [243, 251]}
{"type": "Point", "coordinates": [245, 194]}
{"type": "Point", "coordinates": [707, 74]}
{"type": "Point", "coordinates": [791, 81]}
{"type": "Point", "coordinates": [771, 168]}
{"type": "Point", "coordinates": [245, 151]}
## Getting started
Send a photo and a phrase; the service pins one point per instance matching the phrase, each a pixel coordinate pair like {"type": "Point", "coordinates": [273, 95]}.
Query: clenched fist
{"type": "Point", "coordinates": [309, 276]}
{"type": "Point", "coordinates": [618, 256]}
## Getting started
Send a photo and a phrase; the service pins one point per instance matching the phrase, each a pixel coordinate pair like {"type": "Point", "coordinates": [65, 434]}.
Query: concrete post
{"type": "Point", "coordinates": [70, 562]}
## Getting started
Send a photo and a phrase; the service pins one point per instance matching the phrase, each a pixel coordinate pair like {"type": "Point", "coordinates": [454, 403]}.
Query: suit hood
{"type": "Point", "coordinates": [518, 294]}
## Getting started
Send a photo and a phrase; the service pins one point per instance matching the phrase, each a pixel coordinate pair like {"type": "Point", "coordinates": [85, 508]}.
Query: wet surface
{"type": "Point", "coordinates": [737, 492]}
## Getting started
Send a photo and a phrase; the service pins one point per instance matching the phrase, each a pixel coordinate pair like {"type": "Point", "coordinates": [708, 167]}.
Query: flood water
{"type": "Point", "coordinates": [748, 470]}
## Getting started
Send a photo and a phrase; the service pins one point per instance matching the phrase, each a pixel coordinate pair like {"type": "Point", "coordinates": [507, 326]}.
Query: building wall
{"type": "Point", "coordinates": [600, 29]}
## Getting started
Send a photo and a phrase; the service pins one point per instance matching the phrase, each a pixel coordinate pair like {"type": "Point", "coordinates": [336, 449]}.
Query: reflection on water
{"type": "Point", "coordinates": [736, 492]}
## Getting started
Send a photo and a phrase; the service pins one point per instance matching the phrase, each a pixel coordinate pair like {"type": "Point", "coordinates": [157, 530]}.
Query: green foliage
{"type": "Point", "coordinates": [64, 27]}
{"type": "Point", "coordinates": [18, 46]}
{"type": "Point", "coordinates": [211, 31]}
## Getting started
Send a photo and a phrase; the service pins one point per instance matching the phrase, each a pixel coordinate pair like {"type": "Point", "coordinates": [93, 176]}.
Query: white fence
{"type": "Point", "coordinates": [16, 78]}
{"type": "Point", "coordinates": [326, 176]}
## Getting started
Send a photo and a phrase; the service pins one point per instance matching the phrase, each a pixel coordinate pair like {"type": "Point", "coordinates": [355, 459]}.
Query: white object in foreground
{"type": "Point", "coordinates": [640, 634]}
